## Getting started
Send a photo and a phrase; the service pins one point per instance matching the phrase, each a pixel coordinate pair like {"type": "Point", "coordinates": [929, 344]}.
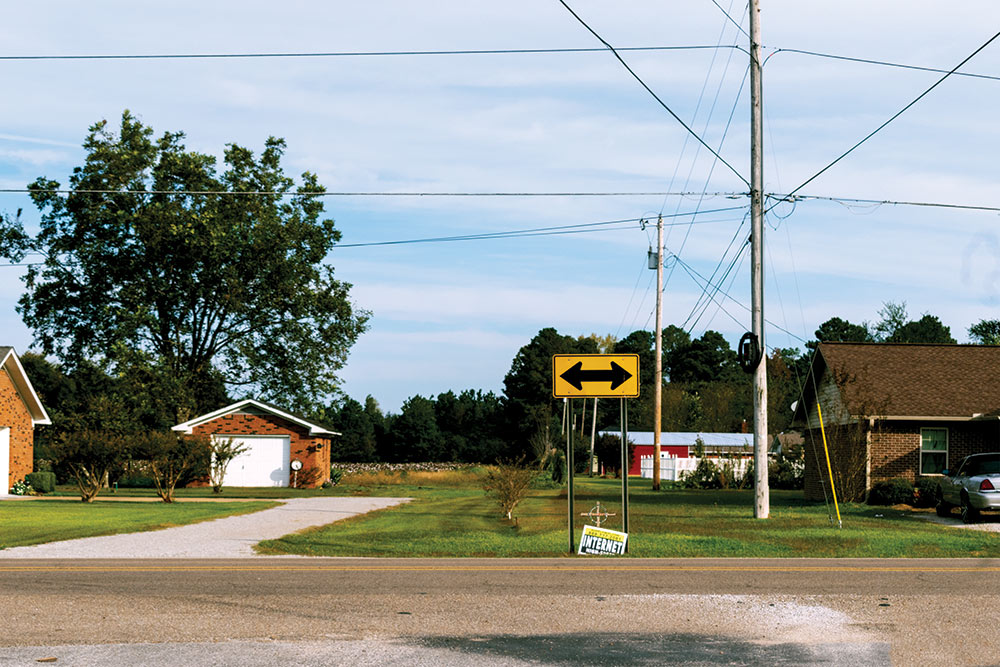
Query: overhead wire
{"type": "Point", "coordinates": [896, 115]}
{"type": "Point", "coordinates": [882, 202]}
{"type": "Point", "coordinates": [268, 193]}
{"type": "Point", "coordinates": [739, 26]}
{"type": "Point", "coordinates": [708, 178]}
{"type": "Point", "coordinates": [651, 92]}
{"type": "Point", "coordinates": [725, 133]}
{"type": "Point", "coordinates": [609, 225]}
{"type": "Point", "coordinates": [699, 302]}
{"type": "Point", "coordinates": [635, 288]}
{"type": "Point", "coordinates": [883, 63]}
{"type": "Point", "coordinates": [351, 54]}
{"type": "Point", "coordinates": [701, 280]}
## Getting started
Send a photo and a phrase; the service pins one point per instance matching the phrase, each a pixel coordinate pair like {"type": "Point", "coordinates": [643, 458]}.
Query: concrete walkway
{"type": "Point", "coordinates": [230, 537]}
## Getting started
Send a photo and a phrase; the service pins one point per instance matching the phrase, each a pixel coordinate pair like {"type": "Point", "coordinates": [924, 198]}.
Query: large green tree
{"type": "Point", "coordinates": [528, 387]}
{"type": "Point", "coordinates": [154, 256]}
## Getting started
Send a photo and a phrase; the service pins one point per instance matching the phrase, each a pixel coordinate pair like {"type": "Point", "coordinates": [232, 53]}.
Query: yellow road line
{"type": "Point", "coordinates": [472, 568]}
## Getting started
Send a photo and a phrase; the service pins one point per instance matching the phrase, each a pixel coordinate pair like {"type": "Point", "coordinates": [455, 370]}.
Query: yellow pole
{"type": "Point", "coordinates": [819, 412]}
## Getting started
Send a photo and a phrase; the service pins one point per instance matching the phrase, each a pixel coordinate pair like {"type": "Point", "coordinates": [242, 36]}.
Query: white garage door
{"type": "Point", "coordinates": [264, 463]}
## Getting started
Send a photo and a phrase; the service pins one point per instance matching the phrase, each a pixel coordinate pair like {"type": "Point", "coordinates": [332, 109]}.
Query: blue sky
{"type": "Point", "coordinates": [452, 315]}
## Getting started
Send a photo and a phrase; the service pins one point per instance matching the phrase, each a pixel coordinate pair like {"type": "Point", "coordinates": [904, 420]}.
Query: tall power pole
{"type": "Point", "coordinates": [760, 444]}
{"type": "Point", "coordinates": [658, 375]}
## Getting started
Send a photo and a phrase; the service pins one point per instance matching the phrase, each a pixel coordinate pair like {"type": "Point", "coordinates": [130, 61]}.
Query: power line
{"type": "Point", "coordinates": [790, 197]}
{"type": "Point", "coordinates": [267, 193]}
{"type": "Point", "coordinates": [608, 225]}
{"type": "Point", "coordinates": [698, 278]}
{"type": "Point", "coordinates": [896, 115]}
{"type": "Point", "coordinates": [580, 228]}
{"type": "Point", "coordinates": [731, 19]}
{"type": "Point", "coordinates": [354, 54]}
{"type": "Point", "coordinates": [884, 63]}
{"type": "Point", "coordinates": [879, 202]}
{"type": "Point", "coordinates": [650, 91]}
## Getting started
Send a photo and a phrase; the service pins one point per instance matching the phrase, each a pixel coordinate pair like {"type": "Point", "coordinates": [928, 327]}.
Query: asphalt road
{"type": "Point", "coordinates": [500, 612]}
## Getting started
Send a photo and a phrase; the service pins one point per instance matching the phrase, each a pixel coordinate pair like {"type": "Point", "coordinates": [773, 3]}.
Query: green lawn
{"type": "Point", "coordinates": [33, 522]}
{"type": "Point", "coordinates": [70, 491]}
{"type": "Point", "coordinates": [460, 521]}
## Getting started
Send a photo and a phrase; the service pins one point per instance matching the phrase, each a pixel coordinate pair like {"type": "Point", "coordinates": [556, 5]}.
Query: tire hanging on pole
{"type": "Point", "coordinates": [749, 352]}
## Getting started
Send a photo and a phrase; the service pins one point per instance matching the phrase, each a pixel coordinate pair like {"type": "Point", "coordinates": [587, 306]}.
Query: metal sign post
{"type": "Point", "coordinates": [625, 462]}
{"type": "Point", "coordinates": [569, 472]}
{"type": "Point", "coordinates": [595, 376]}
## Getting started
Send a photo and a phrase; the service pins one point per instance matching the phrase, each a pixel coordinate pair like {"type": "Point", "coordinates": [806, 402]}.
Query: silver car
{"type": "Point", "coordinates": [973, 486]}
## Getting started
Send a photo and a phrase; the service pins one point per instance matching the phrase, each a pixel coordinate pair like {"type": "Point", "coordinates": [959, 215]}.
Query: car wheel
{"type": "Point", "coordinates": [969, 513]}
{"type": "Point", "coordinates": [940, 506]}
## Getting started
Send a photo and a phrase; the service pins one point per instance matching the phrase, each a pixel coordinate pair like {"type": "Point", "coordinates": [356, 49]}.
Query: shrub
{"type": "Point", "coordinates": [137, 482]}
{"type": "Point", "coordinates": [223, 451]}
{"type": "Point", "coordinates": [335, 475]}
{"type": "Point", "coordinates": [557, 467]}
{"type": "Point", "coordinates": [786, 471]}
{"type": "Point", "coordinates": [173, 458]}
{"type": "Point", "coordinates": [926, 492]}
{"type": "Point", "coordinates": [891, 492]}
{"type": "Point", "coordinates": [705, 476]}
{"type": "Point", "coordinates": [90, 456]}
{"type": "Point", "coordinates": [43, 482]}
{"type": "Point", "coordinates": [508, 483]}
{"type": "Point", "coordinates": [21, 488]}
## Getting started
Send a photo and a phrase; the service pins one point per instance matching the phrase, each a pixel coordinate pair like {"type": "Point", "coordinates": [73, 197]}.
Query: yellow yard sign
{"type": "Point", "coordinates": [595, 375]}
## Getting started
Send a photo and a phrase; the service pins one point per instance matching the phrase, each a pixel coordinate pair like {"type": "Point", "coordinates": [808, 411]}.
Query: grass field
{"type": "Point", "coordinates": [70, 491]}
{"type": "Point", "coordinates": [454, 518]}
{"type": "Point", "coordinates": [33, 522]}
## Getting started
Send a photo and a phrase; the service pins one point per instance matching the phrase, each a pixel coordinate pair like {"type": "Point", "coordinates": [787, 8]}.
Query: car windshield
{"type": "Point", "coordinates": [982, 465]}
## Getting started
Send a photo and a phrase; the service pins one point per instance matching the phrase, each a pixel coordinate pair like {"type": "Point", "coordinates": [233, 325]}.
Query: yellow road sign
{"type": "Point", "coordinates": [595, 375]}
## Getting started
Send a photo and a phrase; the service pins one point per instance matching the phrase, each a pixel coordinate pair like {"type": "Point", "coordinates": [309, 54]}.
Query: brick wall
{"type": "Point", "coordinates": [896, 447]}
{"type": "Point", "coordinates": [895, 450]}
{"type": "Point", "coordinates": [14, 414]}
{"type": "Point", "coordinates": [313, 451]}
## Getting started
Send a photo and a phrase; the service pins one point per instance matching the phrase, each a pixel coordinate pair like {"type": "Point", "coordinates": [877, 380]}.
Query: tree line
{"type": "Point", "coordinates": [704, 389]}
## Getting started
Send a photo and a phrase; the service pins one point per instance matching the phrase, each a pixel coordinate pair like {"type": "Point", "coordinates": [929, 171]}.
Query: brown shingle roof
{"type": "Point", "coordinates": [917, 380]}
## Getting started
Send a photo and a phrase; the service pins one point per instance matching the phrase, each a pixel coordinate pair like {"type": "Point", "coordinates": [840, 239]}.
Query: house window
{"type": "Point", "coordinates": [933, 450]}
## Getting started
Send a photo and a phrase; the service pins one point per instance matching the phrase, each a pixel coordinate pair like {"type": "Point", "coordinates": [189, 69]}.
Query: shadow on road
{"type": "Point", "coordinates": [632, 649]}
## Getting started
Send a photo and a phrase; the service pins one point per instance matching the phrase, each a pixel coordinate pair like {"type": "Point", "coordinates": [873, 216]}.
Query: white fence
{"type": "Point", "coordinates": [671, 467]}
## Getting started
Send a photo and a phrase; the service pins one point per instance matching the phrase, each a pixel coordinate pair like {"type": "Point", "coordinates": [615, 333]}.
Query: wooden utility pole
{"type": "Point", "coordinates": [761, 493]}
{"type": "Point", "coordinates": [658, 376]}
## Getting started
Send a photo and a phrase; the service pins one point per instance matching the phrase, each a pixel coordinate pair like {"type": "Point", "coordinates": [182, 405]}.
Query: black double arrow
{"type": "Point", "coordinates": [576, 376]}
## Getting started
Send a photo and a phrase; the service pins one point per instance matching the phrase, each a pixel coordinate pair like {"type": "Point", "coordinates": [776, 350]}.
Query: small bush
{"type": "Point", "coordinates": [926, 492]}
{"type": "Point", "coordinates": [891, 492]}
{"type": "Point", "coordinates": [42, 482]}
{"type": "Point", "coordinates": [508, 483]}
{"type": "Point", "coordinates": [336, 474]}
{"type": "Point", "coordinates": [557, 467]}
{"type": "Point", "coordinates": [21, 488]}
{"type": "Point", "coordinates": [786, 471]}
{"type": "Point", "coordinates": [705, 476]}
{"type": "Point", "coordinates": [137, 482]}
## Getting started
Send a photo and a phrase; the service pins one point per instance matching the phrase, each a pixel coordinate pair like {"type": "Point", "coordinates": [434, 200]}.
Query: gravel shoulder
{"type": "Point", "coordinates": [229, 537]}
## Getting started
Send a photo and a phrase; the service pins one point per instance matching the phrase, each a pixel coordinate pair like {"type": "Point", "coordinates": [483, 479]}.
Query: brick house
{"type": "Point", "coordinates": [896, 410]}
{"type": "Point", "coordinates": [20, 411]}
{"type": "Point", "coordinates": [274, 439]}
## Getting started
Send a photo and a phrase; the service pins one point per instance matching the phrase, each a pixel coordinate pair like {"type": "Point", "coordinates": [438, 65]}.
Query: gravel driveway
{"type": "Point", "coordinates": [230, 537]}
